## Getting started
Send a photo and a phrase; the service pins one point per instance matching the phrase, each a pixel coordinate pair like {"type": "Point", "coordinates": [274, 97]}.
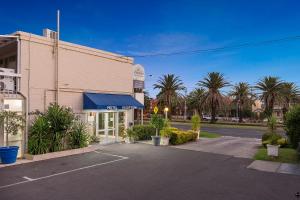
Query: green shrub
{"type": "Point", "coordinates": [180, 137]}
{"type": "Point", "coordinates": [60, 119]}
{"type": "Point", "coordinates": [143, 132]}
{"type": "Point", "coordinates": [94, 139]}
{"type": "Point", "coordinates": [292, 124]}
{"type": "Point", "coordinates": [271, 138]}
{"type": "Point", "coordinates": [131, 134]}
{"type": "Point", "coordinates": [167, 131]}
{"type": "Point", "coordinates": [78, 137]}
{"type": "Point", "coordinates": [266, 136]}
{"type": "Point", "coordinates": [282, 142]}
{"type": "Point", "coordinates": [272, 123]}
{"type": "Point", "coordinates": [196, 123]}
{"type": "Point", "coordinates": [157, 122]}
{"type": "Point", "coordinates": [39, 139]}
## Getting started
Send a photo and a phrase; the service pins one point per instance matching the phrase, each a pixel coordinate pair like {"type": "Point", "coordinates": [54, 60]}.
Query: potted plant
{"type": "Point", "coordinates": [11, 123]}
{"type": "Point", "coordinates": [196, 124]}
{"type": "Point", "coordinates": [130, 136]}
{"type": "Point", "coordinates": [158, 124]}
{"type": "Point", "coordinates": [272, 146]}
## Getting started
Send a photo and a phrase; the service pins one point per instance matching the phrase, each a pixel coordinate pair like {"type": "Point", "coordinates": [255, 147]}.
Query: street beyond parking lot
{"type": "Point", "coordinates": [140, 171]}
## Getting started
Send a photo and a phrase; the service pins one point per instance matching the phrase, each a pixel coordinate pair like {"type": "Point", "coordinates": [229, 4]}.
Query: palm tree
{"type": "Point", "coordinates": [170, 87]}
{"type": "Point", "coordinates": [242, 97]}
{"type": "Point", "coordinates": [213, 83]}
{"type": "Point", "coordinates": [289, 94]}
{"type": "Point", "coordinates": [195, 100]}
{"type": "Point", "coordinates": [271, 88]}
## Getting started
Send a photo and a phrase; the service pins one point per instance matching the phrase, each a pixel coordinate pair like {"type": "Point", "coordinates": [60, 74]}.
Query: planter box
{"type": "Point", "coordinates": [272, 150]}
{"type": "Point", "coordinates": [164, 141]}
{"type": "Point", "coordinates": [59, 154]}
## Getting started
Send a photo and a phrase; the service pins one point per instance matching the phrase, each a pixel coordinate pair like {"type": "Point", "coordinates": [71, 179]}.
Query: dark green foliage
{"type": "Point", "coordinates": [39, 139]}
{"type": "Point", "coordinates": [180, 137]}
{"type": "Point", "coordinates": [143, 132]}
{"type": "Point", "coordinates": [292, 124]}
{"type": "Point", "coordinates": [60, 119]}
{"type": "Point", "coordinates": [56, 130]}
{"type": "Point", "coordinates": [273, 139]}
{"type": "Point", "coordinates": [78, 137]}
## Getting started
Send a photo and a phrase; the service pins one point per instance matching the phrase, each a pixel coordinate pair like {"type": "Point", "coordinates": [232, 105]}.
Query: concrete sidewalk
{"type": "Point", "coordinates": [276, 167]}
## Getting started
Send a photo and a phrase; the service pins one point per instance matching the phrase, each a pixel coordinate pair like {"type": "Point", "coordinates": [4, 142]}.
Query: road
{"type": "Point", "coordinates": [235, 132]}
{"type": "Point", "coordinates": [140, 171]}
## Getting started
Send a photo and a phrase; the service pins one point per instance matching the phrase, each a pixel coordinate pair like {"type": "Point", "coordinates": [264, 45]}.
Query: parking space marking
{"type": "Point", "coordinates": [66, 172]}
{"type": "Point", "coordinates": [100, 152]}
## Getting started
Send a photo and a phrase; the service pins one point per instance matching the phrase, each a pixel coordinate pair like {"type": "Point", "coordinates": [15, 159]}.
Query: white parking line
{"type": "Point", "coordinates": [111, 154]}
{"type": "Point", "coordinates": [66, 172]}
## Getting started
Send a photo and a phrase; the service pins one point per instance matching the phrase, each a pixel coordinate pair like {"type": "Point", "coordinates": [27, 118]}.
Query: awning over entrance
{"type": "Point", "coordinates": [95, 101]}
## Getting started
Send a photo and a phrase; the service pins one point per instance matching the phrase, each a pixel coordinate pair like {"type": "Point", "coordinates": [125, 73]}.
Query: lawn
{"type": "Point", "coordinates": [286, 155]}
{"type": "Point", "coordinates": [209, 135]}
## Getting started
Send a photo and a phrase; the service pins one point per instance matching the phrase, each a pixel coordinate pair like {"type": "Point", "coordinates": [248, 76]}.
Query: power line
{"type": "Point", "coordinates": [237, 46]}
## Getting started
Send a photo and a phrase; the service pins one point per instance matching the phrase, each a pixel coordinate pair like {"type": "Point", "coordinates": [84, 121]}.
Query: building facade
{"type": "Point", "coordinates": [99, 86]}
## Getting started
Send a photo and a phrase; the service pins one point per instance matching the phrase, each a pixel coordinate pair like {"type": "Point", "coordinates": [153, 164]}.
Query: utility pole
{"type": "Point", "coordinates": [56, 60]}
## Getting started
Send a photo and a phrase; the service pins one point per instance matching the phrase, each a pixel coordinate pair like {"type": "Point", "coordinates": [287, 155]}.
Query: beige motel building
{"type": "Point", "coordinates": [104, 89]}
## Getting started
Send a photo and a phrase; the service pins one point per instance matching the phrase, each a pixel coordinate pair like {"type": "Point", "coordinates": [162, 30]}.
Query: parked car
{"type": "Point", "coordinates": [206, 117]}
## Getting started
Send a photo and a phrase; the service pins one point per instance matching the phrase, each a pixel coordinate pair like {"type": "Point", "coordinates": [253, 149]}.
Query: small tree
{"type": "Point", "coordinates": [157, 122]}
{"type": "Point", "coordinates": [196, 124]}
{"type": "Point", "coordinates": [11, 122]}
{"type": "Point", "coordinates": [292, 124]}
{"type": "Point", "coordinates": [272, 123]}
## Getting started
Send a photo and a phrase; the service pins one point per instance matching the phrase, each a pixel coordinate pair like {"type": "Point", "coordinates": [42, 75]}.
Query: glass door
{"type": "Point", "coordinates": [111, 128]}
{"type": "Point", "coordinates": [101, 127]}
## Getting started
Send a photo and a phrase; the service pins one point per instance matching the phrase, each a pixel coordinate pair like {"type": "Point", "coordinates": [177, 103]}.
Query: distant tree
{"type": "Point", "coordinates": [243, 98]}
{"type": "Point", "coordinates": [213, 82]}
{"type": "Point", "coordinates": [147, 102]}
{"type": "Point", "coordinates": [170, 87]}
{"type": "Point", "coordinates": [289, 95]}
{"type": "Point", "coordinates": [196, 99]}
{"type": "Point", "coordinates": [270, 90]}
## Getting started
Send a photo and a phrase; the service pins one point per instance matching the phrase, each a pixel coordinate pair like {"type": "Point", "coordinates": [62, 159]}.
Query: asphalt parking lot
{"type": "Point", "coordinates": [141, 171]}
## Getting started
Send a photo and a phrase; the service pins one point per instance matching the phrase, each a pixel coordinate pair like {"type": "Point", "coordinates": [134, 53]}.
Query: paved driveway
{"type": "Point", "coordinates": [140, 171]}
{"type": "Point", "coordinates": [236, 132]}
{"type": "Point", "coordinates": [226, 145]}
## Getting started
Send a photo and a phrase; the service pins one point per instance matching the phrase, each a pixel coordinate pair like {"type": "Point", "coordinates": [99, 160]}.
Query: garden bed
{"type": "Point", "coordinates": [58, 154]}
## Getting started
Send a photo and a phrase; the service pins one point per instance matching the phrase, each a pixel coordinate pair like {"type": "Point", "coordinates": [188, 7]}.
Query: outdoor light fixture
{"type": "Point", "coordinates": [166, 109]}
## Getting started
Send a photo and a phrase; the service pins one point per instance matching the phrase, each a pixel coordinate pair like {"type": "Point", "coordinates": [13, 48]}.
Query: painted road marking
{"type": "Point", "coordinates": [65, 172]}
{"type": "Point", "coordinates": [100, 152]}
{"type": "Point", "coordinates": [28, 179]}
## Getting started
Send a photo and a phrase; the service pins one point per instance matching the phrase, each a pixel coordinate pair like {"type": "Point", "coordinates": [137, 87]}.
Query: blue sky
{"type": "Point", "coordinates": [158, 26]}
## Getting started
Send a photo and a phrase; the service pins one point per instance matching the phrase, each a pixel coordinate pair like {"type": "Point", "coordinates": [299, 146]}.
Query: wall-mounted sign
{"type": "Point", "coordinates": [138, 84]}
{"type": "Point", "coordinates": [138, 73]}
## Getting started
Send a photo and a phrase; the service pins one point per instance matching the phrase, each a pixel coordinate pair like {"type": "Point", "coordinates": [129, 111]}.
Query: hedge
{"type": "Point", "coordinates": [181, 137]}
{"type": "Point", "coordinates": [143, 132]}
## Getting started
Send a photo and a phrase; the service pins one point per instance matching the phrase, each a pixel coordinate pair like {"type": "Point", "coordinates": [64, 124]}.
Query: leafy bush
{"type": "Point", "coordinates": [272, 123]}
{"type": "Point", "coordinates": [180, 137]}
{"type": "Point", "coordinates": [167, 131]}
{"type": "Point", "coordinates": [60, 119]}
{"type": "Point", "coordinates": [78, 137]}
{"type": "Point", "coordinates": [39, 140]}
{"type": "Point", "coordinates": [143, 132]}
{"type": "Point", "coordinates": [292, 124]}
{"type": "Point", "coordinates": [196, 123]}
{"type": "Point", "coordinates": [282, 142]}
{"type": "Point", "coordinates": [131, 134]}
{"type": "Point", "coordinates": [271, 138]}
{"type": "Point", "coordinates": [94, 139]}
{"type": "Point", "coordinates": [157, 122]}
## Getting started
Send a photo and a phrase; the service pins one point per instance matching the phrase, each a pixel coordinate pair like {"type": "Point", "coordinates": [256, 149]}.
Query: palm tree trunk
{"type": "Point", "coordinates": [213, 112]}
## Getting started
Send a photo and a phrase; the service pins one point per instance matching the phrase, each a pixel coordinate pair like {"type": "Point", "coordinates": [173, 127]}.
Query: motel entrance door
{"type": "Point", "coordinates": [110, 126]}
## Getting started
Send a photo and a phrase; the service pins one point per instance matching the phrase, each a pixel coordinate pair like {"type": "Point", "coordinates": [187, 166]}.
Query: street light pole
{"type": "Point", "coordinates": [166, 112]}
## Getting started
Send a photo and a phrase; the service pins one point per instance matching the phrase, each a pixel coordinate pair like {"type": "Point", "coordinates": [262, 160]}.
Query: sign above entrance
{"type": "Point", "coordinates": [138, 73]}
